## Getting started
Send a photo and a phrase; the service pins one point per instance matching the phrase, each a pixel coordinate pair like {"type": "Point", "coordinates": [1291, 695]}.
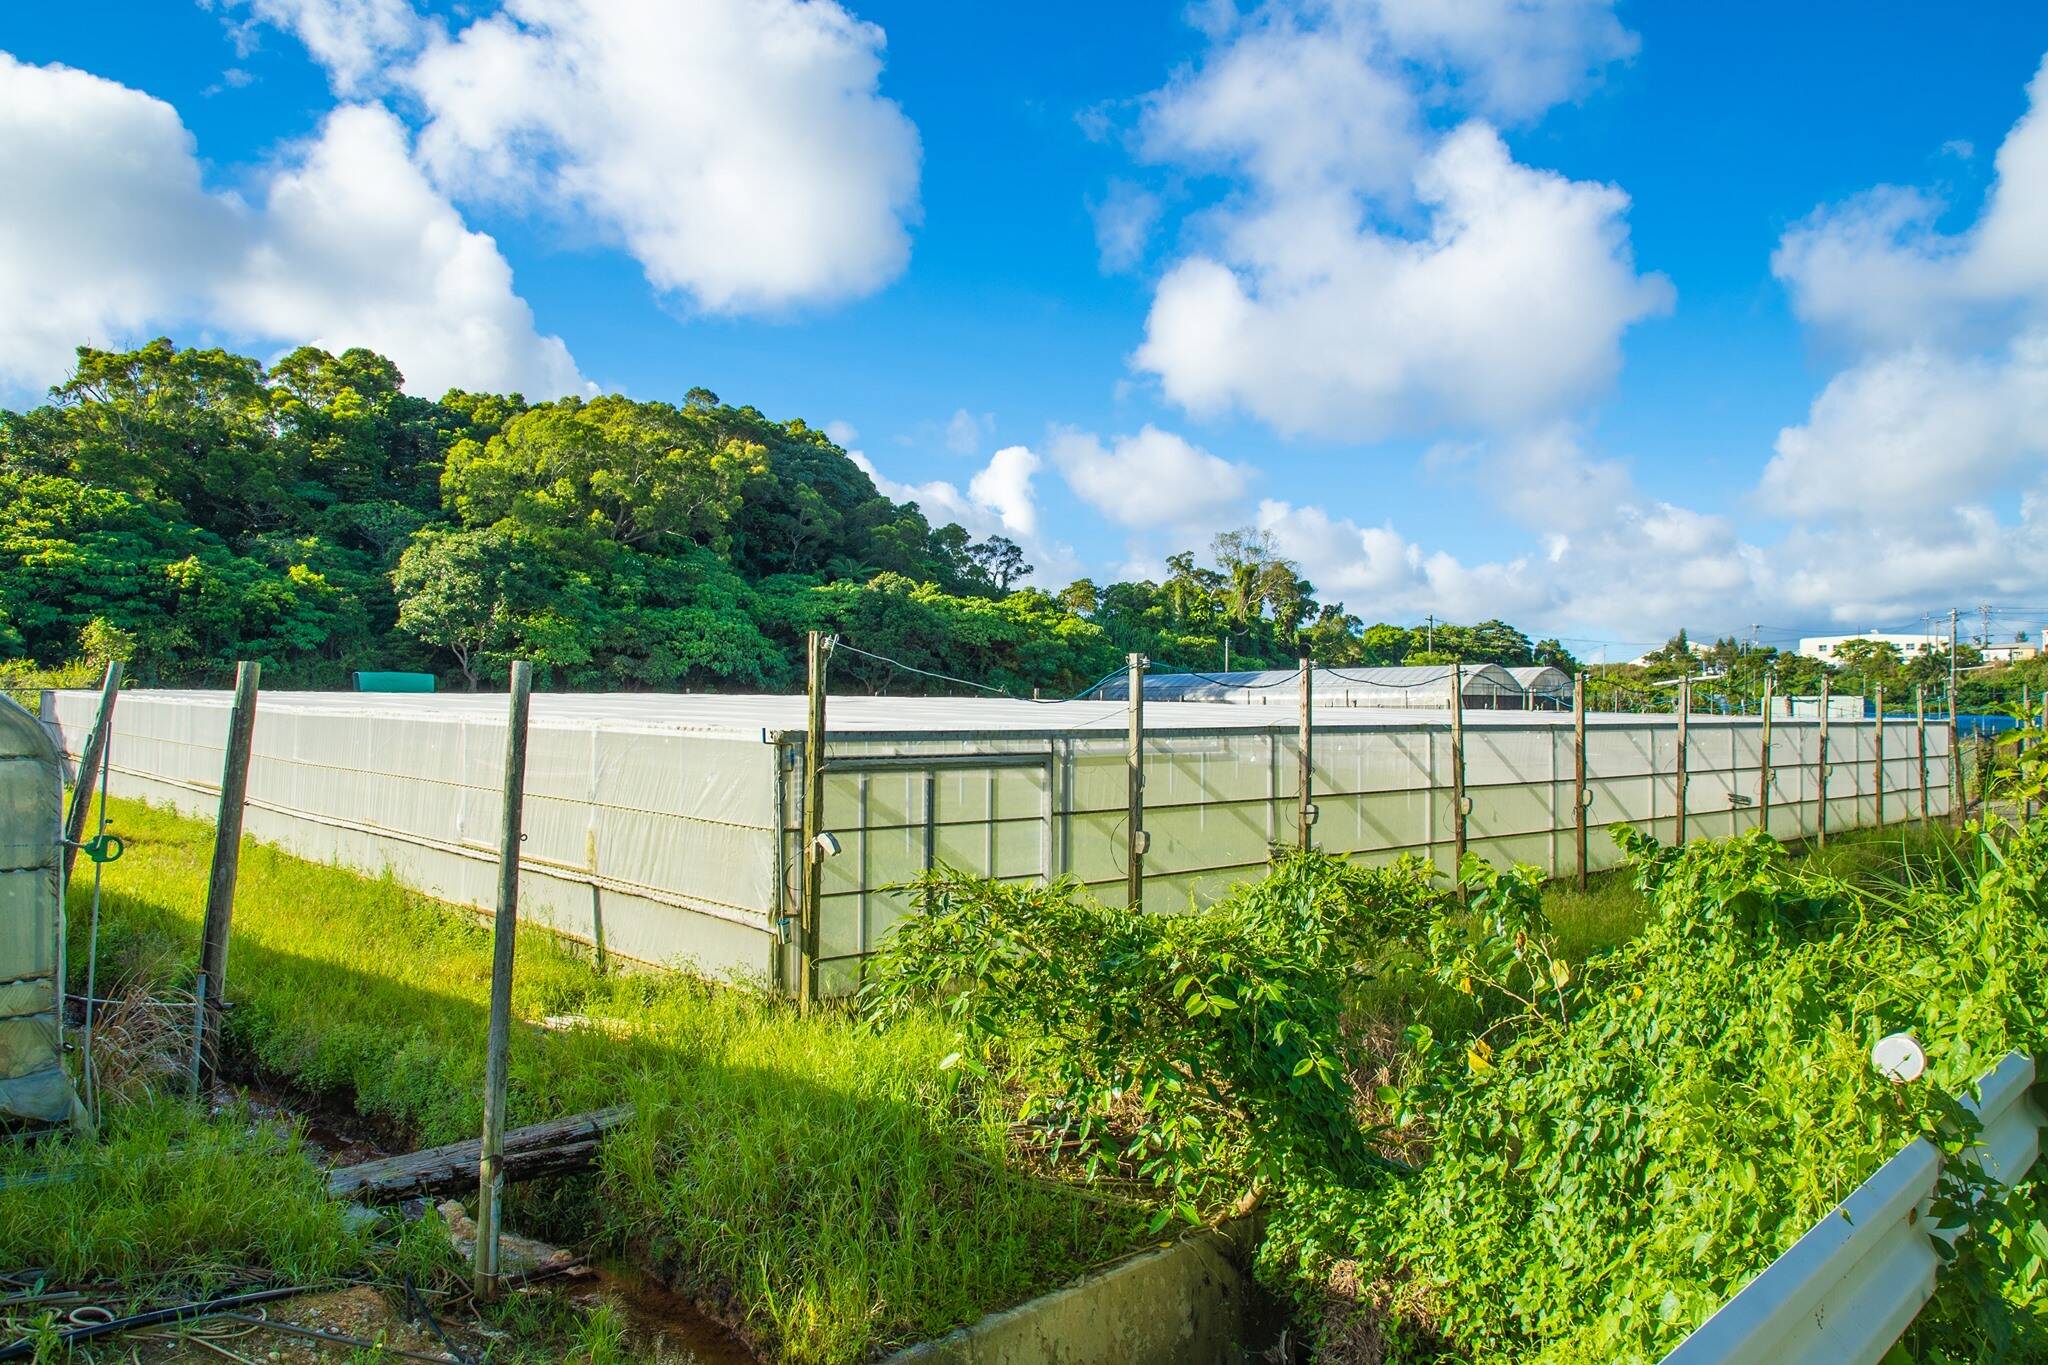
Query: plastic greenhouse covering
{"type": "Point", "coordinates": [34, 1086]}
{"type": "Point", "coordinates": [1416, 686]}
{"type": "Point", "coordinates": [664, 828]}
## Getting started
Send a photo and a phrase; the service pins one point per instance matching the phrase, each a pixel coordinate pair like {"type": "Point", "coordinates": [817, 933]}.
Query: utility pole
{"type": "Point", "coordinates": [1135, 839]}
{"type": "Point", "coordinates": [819, 649]}
{"type": "Point", "coordinates": [1305, 814]}
{"type": "Point", "coordinates": [1430, 645]}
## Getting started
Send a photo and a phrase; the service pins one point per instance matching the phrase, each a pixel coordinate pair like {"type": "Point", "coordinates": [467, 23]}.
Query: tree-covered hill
{"type": "Point", "coordinates": [190, 507]}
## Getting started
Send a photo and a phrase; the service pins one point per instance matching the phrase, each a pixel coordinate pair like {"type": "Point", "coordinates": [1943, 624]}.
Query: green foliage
{"type": "Point", "coordinates": [825, 1187]}
{"type": "Point", "coordinates": [1606, 1147]}
{"type": "Point", "coordinates": [317, 518]}
{"type": "Point", "coordinates": [1205, 1053]}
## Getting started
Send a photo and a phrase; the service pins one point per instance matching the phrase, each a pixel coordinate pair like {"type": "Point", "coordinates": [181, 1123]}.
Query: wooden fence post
{"type": "Point", "coordinates": [227, 856]}
{"type": "Point", "coordinates": [1684, 758]}
{"type": "Point", "coordinates": [91, 759]}
{"type": "Point", "coordinates": [1763, 786]}
{"type": "Point", "coordinates": [1135, 841]}
{"type": "Point", "coordinates": [1920, 743]}
{"type": "Point", "coordinates": [1821, 818]}
{"type": "Point", "coordinates": [1305, 815]}
{"type": "Point", "coordinates": [1878, 786]}
{"type": "Point", "coordinates": [1579, 792]}
{"type": "Point", "coordinates": [813, 867]}
{"type": "Point", "coordinates": [504, 936]}
{"type": "Point", "coordinates": [1458, 831]}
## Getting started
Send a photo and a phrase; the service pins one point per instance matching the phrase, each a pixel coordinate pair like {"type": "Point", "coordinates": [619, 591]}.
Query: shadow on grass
{"type": "Point", "coordinates": [823, 1186]}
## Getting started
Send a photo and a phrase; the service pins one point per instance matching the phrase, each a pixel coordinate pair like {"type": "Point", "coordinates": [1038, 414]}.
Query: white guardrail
{"type": "Point", "coordinates": [1848, 1289]}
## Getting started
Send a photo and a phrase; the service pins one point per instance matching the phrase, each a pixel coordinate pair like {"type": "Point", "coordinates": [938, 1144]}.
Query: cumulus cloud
{"type": "Point", "coordinates": [964, 431]}
{"type": "Point", "coordinates": [1920, 466]}
{"type": "Point", "coordinates": [1124, 218]}
{"type": "Point", "coordinates": [999, 500]}
{"type": "Point", "coordinates": [740, 150]}
{"type": "Point", "coordinates": [353, 39]}
{"type": "Point", "coordinates": [1373, 275]}
{"type": "Point", "coordinates": [108, 232]}
{"type": "Point", "coordinates": [1155, 478]}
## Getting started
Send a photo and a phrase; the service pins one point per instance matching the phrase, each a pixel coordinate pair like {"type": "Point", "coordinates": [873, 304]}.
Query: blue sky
{"type": "Point", "coordinates": [1606, 319]}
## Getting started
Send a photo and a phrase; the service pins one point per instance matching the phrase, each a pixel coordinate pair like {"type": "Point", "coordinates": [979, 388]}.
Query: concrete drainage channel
{"type": "Point", "coordinates": [1190, 1303]}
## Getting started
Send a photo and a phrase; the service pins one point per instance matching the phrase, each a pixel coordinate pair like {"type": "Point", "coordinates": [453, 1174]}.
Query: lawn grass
{"type": "Point", "coordinates": [827, 1187]}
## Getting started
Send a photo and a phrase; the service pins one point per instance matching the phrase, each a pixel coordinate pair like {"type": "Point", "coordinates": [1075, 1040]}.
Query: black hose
{"type": "Point", "coordinates": [25, 1349]}
{"type": "Point", "coordinates": [419, 1307]}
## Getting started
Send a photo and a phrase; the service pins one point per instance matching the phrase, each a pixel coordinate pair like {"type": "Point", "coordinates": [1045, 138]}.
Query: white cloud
{"type": "Point", "coordinates": [1895, 438]}
{"type": "Point", "coordinates": [1124, 218]}
{"type": "Point", "coordinates": [740, 150]}
{"type": "Point", "coordinates": [1878, 272]}
{"type": "Point", "coordinates": [841, 434]}
{"type": "Point", "coordinates": [1373, 275]}
{"type": "Point", "coordinates": [108, 233]}
{"type": "Point", "coordinates": [353, 39]}
{"type": "Point", "coordinates": [1004, 487]}
{"type": "Point", "coordinates": [357, 249]}
{"type": "Point", "coordinates": [105, 228]}
{"type": "Point", "coordinates": [964, 431]}
{"type": "Point", "coordinates": [998, 500]}
{"type": "Point", "coordinates": [1154, 478]}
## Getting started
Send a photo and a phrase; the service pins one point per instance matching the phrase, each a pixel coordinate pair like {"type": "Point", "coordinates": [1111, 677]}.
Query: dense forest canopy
{"type": "Point", "coordinates": [184, 508]}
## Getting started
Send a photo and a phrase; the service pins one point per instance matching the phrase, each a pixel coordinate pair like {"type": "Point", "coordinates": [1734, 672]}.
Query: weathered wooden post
{"type": "Point", "coordinates": [1920, 743]}
{"type": "Point", "coordinates": [504, 936]}
{"type": "Point", "coordinates": [1458, 831]}
{"type": "Point", "coordinates": [1879, 787]}
{"type": "Point", "coordinates": [211, 986]}
{"type": "Point", "coordinates": [1579, 793]}
{"type": "Point", "coordinates": [813, 877]}
{"type": "Point", "coordinates": [91, 760]}
{"type": "Point", "coordinates": [1763, 786]}
{"type": "Point", "coordinates": [1305, 814]}
{"type": "Point", "coordinates": [1684, 758]}
{"type": "Point", "coordinates": [1821, 819]}
{"type": "Point", "coordinates": [1135, 840]}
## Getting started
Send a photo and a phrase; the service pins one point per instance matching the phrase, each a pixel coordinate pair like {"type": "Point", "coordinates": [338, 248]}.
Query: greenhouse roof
{"type": "Point", "coordinates": [1424, 680]}
{"type": "Point", "coordinates": [759, 716]}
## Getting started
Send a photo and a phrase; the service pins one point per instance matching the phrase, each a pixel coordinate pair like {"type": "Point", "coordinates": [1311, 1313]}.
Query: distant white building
{"type": "Point", "coordinates": [1910, 646]}
{"type": "Point", "coordinates": [2009, 652]}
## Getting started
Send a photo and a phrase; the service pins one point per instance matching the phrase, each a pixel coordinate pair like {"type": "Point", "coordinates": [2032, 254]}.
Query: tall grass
{"type": "Point", "coordinates": [825, 1186]}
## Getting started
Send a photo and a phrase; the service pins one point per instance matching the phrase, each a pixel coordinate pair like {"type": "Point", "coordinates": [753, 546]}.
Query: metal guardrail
{"type": "Point", "coordinates": [1849, 1288]}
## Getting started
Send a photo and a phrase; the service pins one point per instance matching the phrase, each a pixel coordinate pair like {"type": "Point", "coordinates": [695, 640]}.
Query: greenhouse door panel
{"type": "Point", "coordinates": [896, 818]}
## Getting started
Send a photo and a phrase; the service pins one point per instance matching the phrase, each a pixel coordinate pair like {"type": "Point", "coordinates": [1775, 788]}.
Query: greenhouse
{"type": "Point", "coordinates": [1544, 688]}
{"type": "Point", "coordinates": [34, 1087]}
{"type": "Point", "coordinates": [1484, 687]}
{"type": "Point", "coordinates": [665, 828]}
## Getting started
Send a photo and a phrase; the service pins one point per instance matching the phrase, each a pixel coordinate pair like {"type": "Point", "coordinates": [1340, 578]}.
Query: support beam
{"type": "Point", "coordinates": [1920, 744]}
{"type": "Point", "coordinates": [227, 856]}
{"type": "Point", "coordinates": [490, 1168]}
{"type": "Point", "coordinates": [1763, 785]}
{"type": "Point", "coordinates": [1821, 817]}
{"type": "Point", "coordinates": [1135, 839]}
{"type": "Point", "coordinates": [811, 894]}
{"type": "Point", "coordinates": [1684, 755]}
{"type": "Point", "coordinates": [1458, 828]}
{"type": "Point", "coordinates": [92, 761]}
{"type": "Point", "coordinates": [1580, 796]}
{"type": "Point", "coordinates": [1304, 784]}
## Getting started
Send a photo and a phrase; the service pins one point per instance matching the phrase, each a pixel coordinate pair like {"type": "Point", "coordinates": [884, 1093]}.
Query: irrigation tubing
{"type": "Point", "coordinates": [377, 1348]}
{"type": "Point", "coordinates": [419, 1306]}
{"type": "Point", "coordinates": [25, 1349]}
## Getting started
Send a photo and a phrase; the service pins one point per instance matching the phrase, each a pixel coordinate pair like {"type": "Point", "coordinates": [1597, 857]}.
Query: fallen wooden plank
{"type": "Point", "coordinates": [540, 1149]}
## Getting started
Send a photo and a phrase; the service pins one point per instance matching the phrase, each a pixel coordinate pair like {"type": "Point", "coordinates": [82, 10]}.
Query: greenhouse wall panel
{"type": "Point", "coordinates": [665, 827]}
